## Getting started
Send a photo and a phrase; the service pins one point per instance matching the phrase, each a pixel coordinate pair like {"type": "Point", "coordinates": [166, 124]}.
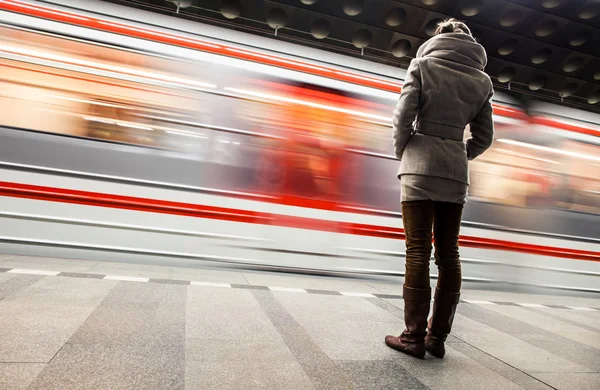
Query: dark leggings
{"type": "Point", "coordinates": [419, 217]}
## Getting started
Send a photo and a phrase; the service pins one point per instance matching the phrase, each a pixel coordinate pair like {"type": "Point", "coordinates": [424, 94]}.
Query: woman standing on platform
{"type": "Point", "coordinates": [444, 91]}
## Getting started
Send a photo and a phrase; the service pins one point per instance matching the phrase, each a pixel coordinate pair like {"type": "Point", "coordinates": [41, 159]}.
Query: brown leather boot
{"type": "Point", "coordinates": [416, 310]}
{"type": "Point", "coordinates": [440, 324]}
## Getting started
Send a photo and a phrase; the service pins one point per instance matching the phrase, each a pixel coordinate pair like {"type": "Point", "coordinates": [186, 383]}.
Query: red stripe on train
{"type": "Point", "coordinates": [63, 195]}
{"type": "Point", "coordinates": [565, 126]}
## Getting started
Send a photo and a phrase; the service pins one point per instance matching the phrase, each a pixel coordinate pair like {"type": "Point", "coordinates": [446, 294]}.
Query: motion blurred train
{"type": "Point", "coordinates": [181, 144]}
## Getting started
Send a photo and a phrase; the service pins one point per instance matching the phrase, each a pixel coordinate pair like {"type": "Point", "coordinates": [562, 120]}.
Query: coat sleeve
{"type": "Point", "coordinates": [482, 130]}
{"type": "Point", "coordinates": [407, 108]}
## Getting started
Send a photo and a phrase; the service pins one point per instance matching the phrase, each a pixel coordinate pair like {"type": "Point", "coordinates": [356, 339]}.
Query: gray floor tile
{"type": "Point", "coordinates": [326, 375]}
{"type": "Point", "coordinates": [11, 284]}
{"type": "Point", "coordinates": [351, 349]}
{"type": "Point", "coordinates": [510, 349]}
{"type": "Point", "coordinates": [520, 297]}
{"type": "Point", "coordinates": [455, 371]}
{"type": "Point", "coordinates": [388, 296]}
{"type": "Point", "coordinates": [321, 370]}
{"type": "Point", "coordinates": [95, 366]}
{"type": "Point", "coordinates": [238, 364]}
{"type": "Point", "coordinates": [526, 381]}
{"type": "Point", "coordinates": [240, 350]}
{"type": "Point", "coordinates": [137, 313]}
{"type": "Point", "coordinates": [4, 277]}
{"type": "Point", "coordinates": [134, 339]}
{"type": "Point", "coordinates": [579, 381]}
{"type": "Point", "coordinates": [589, 320]}
{"type": "Point", "coordinates": [344, 285]}
{"type": "Point", "coordinates": [570, 350]}
{"type": "Point", "coordinates": [209, 275]}
{"type": "Point", "coordinates": [549, 324]}
{"type": "Point", "coordinates": [344, 328]}
{"type": "Point", "coordinates": [249, 287]}
{"type": "Point", "coordinates": [82, 275]}
{"type": "Point", "coordinates": [389, 306]}
{"type": "Point", "coordinates": [557, 307]}
{"type": "Point", "coordinates": [489, 315]}
{"type": "Point", "coordinates": [18, 376]}
{"type": "Point", "coordinates": [170, 281]}
{"type": "Point", "coordinates": [394, 288]}
{"type": "Point", "coordinates": [163, 367]}
{"type": "Point", "coordinates": [399, 303]}
{"type": "Point", "coordinates": [321, 292]}
{"type": "Point", "coordinates": [226, 314]}
{"type": "Point", "coordinates": [138, 270]}
{"type": "Point", "coordinates": [39, 319]}
{"type": "Point", "coordinates": [267, 279]}
{"type": "Point", "coordinates": [352, 340]}
{"type": "Point", "coordinates": [248, 375]}
{"type": "Point", "coordinates": [551, 342]}
{"type": "Point", "coordinates": [505, 304]}
{"type": "Point", "coordinates": [379, 375]}
{"type": "Point", "coordinates": [333, 307]}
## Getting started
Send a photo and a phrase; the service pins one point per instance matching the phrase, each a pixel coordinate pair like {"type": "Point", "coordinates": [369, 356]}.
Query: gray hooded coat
{"type": "Point", "coordinates": [445, 90]}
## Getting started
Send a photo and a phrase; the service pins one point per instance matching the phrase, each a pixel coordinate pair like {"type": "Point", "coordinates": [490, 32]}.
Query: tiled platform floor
{"type": "Point", "coordinates": [89, 325]}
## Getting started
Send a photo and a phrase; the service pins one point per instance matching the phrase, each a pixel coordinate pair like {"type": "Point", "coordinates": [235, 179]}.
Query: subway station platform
{"type": "Point", "coordinates": [76, 324]}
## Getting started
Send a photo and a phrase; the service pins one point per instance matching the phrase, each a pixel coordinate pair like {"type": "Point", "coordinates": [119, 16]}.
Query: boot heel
{"type": "Point", "coordinates": [435, 348]}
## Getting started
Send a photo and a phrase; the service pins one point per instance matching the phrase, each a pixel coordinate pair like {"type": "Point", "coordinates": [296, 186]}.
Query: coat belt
{"type": "Point", "coordinates": [439, 130]}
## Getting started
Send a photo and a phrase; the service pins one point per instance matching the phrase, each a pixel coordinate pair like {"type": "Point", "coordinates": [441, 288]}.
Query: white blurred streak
{"type": "Point", "coordinates": [527, 156]}
{"type": "Point", "coordinates": [161, 34]}
{"type": "Point", "coordinates": [100, 120]}
{"type": "Point", "coordinates": [131, 125]}
{"type": "Point", "coordinates": [277, 98]}
{"type": "Point", "coordinates": [134, 126]}
{"type": "Point", "coordinates": [276, 59]}
{"type": "Point", "coordinates": [90, 102]}
{"type": "Point", "coordinates": [187, 134]}
{"type": "Point", "coordinates": [549, 150]}
{"type": "Point", "coordinates": [98, 65]}
{"type": "Point", "coordinates": [46, 10]}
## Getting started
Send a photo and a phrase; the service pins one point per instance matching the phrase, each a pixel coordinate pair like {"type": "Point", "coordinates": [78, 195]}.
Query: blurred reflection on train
{"type": "Point", "coordinates": [273, 136]}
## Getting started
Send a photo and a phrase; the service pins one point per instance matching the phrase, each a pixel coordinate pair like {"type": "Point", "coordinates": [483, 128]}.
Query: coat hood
{"type": "Point", "coordinates": [456, 47]}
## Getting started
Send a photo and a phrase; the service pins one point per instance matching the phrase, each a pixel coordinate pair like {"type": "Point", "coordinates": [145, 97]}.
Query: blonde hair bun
{"type": "Point", "coordinates": [452, 26]}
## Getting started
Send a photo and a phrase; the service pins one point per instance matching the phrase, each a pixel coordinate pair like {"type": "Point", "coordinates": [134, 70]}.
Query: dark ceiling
{"type": "Point", "coordinates": [536, 48]}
